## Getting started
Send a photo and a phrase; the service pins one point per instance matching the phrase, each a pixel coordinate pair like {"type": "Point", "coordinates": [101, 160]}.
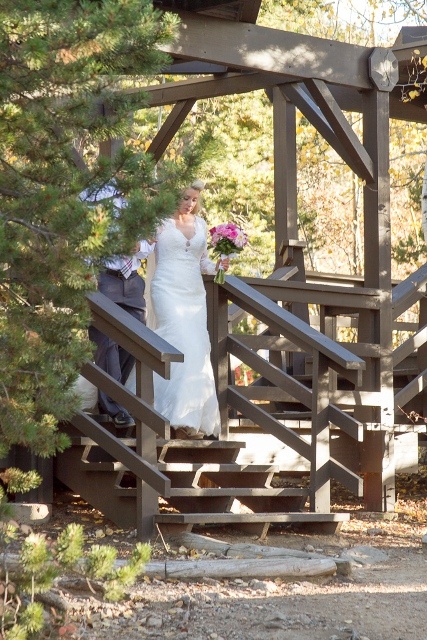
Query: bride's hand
{"type": "Point", "coordinates": [224, 263]}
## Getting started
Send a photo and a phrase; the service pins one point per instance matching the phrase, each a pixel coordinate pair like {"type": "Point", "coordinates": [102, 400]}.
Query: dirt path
{"type": "Point", "coordinates": [380, 601]}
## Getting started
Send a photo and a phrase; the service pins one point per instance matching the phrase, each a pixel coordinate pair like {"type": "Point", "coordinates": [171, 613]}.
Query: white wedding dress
{"type": "Point", "coordinates": [178, 302]}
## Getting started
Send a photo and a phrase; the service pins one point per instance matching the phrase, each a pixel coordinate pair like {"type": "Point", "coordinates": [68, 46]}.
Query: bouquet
{"type": "Point", "coordinates": [227, 239]}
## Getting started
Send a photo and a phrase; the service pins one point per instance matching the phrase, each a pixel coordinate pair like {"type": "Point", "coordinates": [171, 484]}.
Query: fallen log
{"type": "Point", "coordinates": [240, 550]}
{"type": "Point", "coordinates": [266, 568]}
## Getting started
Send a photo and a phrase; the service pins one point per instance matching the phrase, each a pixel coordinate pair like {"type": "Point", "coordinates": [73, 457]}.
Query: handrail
{"type": "Point", "coordinates": [304, 336]}
{"type": "Point", "coordinates": [333, 296]}
{"type": "Point", "coordinates": [152, 353]}
{"type": "Point", "coordinates": [409, 291]}
{"type": "Point", "coordinates": [326, 355]}
{"type": "Point", "coordinates": [132, 335]}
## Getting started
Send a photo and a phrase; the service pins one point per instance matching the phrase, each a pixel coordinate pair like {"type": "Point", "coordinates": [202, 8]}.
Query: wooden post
{"type": "Point", "coordinates": [147, 499]}
{"type": "Point", "coordinates": [288, 249]}
{"type": "Point", "coordinates": [217, 310]}
{"type": "Point", "coordinates": [376, 326]}
{"type": "Point", "coordinates": [422, 353]}
{"type": "Point", "coordinates": [320, 483]}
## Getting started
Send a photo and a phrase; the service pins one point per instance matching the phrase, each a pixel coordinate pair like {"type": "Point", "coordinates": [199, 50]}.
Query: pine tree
{"type": "Point", "coordinates": [62, 63]}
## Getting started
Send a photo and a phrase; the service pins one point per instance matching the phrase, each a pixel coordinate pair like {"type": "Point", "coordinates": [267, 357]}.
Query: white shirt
{"type": "Point", "coordinates": [145, 248]}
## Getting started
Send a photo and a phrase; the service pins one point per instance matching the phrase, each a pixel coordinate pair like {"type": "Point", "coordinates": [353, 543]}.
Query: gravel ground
{"type": "Point", "coordinates": [384, 600]}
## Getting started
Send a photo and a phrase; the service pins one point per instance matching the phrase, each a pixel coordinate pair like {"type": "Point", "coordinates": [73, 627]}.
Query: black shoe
{"type": "Point", "coordinates": [123, 420]}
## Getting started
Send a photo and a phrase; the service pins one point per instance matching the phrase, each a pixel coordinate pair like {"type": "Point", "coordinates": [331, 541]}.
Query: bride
{"type": "Point", "coordinates": [188, 400]}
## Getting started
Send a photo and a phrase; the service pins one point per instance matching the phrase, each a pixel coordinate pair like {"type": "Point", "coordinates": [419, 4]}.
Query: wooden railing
{"type": "Point", "coordinates": [405, 295]}
{"type": "Point", "coordinates": [327, 356]}
{"type": "Point", "coordinates": [152, 353]}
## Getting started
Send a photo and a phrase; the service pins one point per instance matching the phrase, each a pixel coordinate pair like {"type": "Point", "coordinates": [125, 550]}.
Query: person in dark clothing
{"type": "Point", "coordinates": [122, 284]}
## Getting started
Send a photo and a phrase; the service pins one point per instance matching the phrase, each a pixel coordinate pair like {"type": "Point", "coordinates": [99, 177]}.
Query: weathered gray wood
{"type": "Point", "coordinates": [270, 568]}
{"type": "Point", "coordinates": [209, 39]}
{"type": "Point", "coordinates": [246, 550]}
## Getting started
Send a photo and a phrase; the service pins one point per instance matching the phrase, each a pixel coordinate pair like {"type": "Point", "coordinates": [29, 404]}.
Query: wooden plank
{"type": "Point", "coordinates": [350, 149]}
{"type": "Point", "coordinates": [137, 407]}
{"type": "Point", "coordinates": [346, 477]}
{"type": "Point", "coordinates": [270, 50]}
{"type": "Point", "coordinates": [132, 335]}
{"type": "Point", "coordinates": [306, 337]}
{"type": "Point", "coordinates": [265, 393]}
{"type": "Point", "coordinates": [235, 314]}
{"type": "Point", "coordinates": [407, 348]}
{"type": "Point", "coordinates": [346, 422]}
{"type": "Point", "coordinates": [157, 95]}
{"type": "Point", "coordinates": [413, 388]}
{"type": "Point", "coordinates": [267, 342]}
{"type": "Point", "coordinates": [268, 423]}
{"type": "Point", "coordinates": [119, 451]}
{"type": "Point", "coordinates": [206, 467]}
{"type": "Point", "coordinates": [275, 375]}
{"type": "Point", "coordinates": [235, 492]}
{"type": "Point", "coordinates": [224, 518]}
{"type": "Point", "coordinates": [409, 291]}
{"type": "Point", "coordinates": [355, 398]}
{"type": "Point", "coordinates": [348, 298]}
{"type": "Point", "coordinates": [169, 128]}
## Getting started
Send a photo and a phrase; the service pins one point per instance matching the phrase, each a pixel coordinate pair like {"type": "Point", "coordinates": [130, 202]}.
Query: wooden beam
{"type": "Point", "coordinates": [361, 164]}
{"type": "Point", "coordinates": [200, 88]}
{"type": "Point", "coordinates": [169, 128]}
{"type": "Point", "coordinates": [349, 299]}
{"type": "Point", "coordinates": [245, 46]}
{"type": "Point", "coordinates": [409, 291]}
{"type": "Point", "coordinates": [416, 386]}
{"type": "Point", "coordinates": [327, 117]}
{"type": "Point", "coordinates": [250, 10]}
{"type": "Point", "coordinates": [410, 346]}
{"type": "Point", "coordinates": [136, 406]}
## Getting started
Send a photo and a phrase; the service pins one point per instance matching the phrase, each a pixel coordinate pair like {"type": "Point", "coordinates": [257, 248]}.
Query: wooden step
{"type": "Point", "coordinates": [186, 467]}
{"type": "Point", "coordinates": [251, 523]}
{"type": "Point", "coordinates": [198, 492]}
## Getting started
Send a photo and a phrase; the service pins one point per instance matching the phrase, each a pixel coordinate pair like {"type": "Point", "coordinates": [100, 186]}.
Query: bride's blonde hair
{"type": "Point", "coordinates": [198, 185]}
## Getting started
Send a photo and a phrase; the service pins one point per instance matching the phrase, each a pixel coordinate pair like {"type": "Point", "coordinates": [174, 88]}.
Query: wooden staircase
{"type": "Point", "coordinates": [208, 487]}
{"type": "Point", "coordinates": [320, 423]}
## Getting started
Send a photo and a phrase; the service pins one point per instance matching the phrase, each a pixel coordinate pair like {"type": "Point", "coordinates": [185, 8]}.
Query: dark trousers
{"type": "Point", "coordinates": [109, 356]}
